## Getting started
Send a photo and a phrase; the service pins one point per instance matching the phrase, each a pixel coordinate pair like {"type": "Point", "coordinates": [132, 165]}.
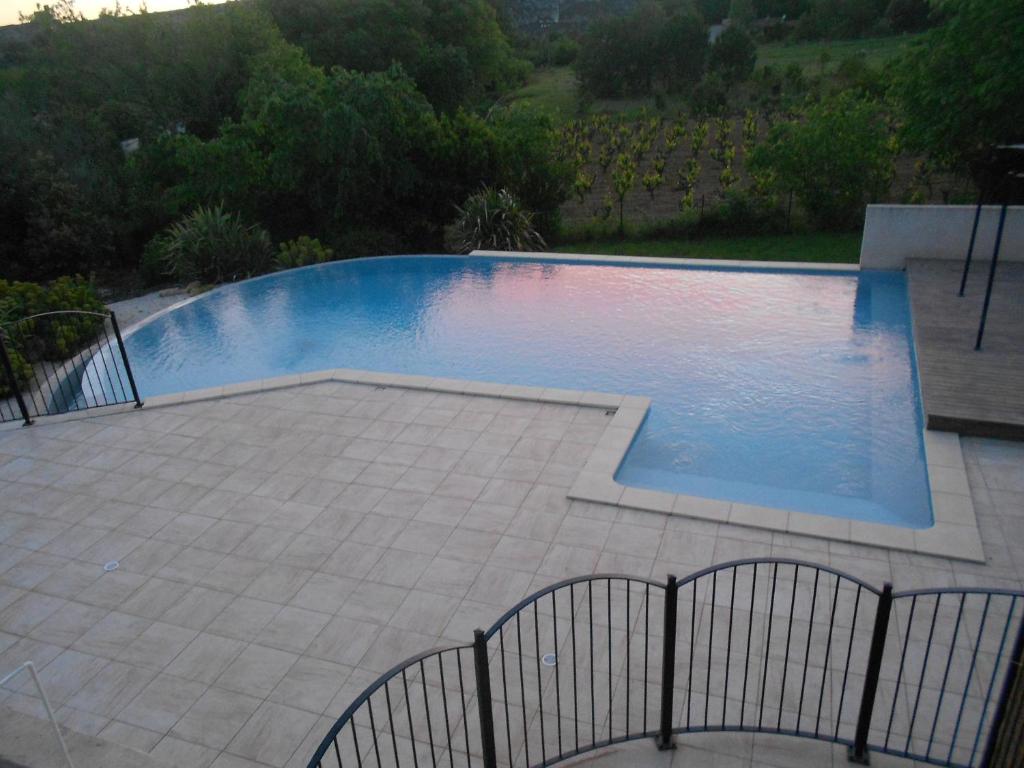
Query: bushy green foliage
{"type": "Point", "coordinates": [226, 109]}
{"type": "Point", "coordinates": [211, 246]}
{"type": "Point", "coordinates": [48, 226]}
{"type": "Point", "coordinates": [960, 86]}
{"type": "Point", "coordinates": [454, 50]}
{"type": "Point", "coordinates": [835, 156]}
{"type": "Point", "coordinates": [493, 219]}
{"type": "Point", "coordinates": [649, 48]}
{"type": "Point", "coordinates": [304, 251]}
{"type": "Point", "coordinates": [329, 154]}
{"type": "Point", "coordinates": [733, 55]}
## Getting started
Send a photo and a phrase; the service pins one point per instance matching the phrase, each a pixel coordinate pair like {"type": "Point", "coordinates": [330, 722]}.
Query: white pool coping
{"type": "Point", "coordinates": [954, 534]}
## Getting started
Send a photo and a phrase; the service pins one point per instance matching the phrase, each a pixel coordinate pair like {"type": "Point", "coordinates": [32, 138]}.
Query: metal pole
{"type": "Point", "coordinates": [124, 357]}
{"type": "Point", "coordinates": [5, 360]}
{"type": "Point", "coordinates": [483, 698]}
{"type": "Point", "coordinates": [46, 704]}
{"type": "Point", "coordinates": [991, 277]}
{"type": "Point", "coordinates": [1013, 677]}
{"type": "Point", "coordinates": [668, 665]}
{"type": "Point", "coordinates": [858, 753]}
{"type": "Point", "coordinates": [970, 248]}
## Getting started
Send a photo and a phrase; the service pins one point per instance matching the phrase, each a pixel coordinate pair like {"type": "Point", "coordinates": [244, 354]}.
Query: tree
{"type": "Point", "coordinates": [623, 178]}
{"type": "Point", "coordinates": [909, 15]}
{"type": "Point", "coordinates": [733, 55]}
{"type": "Point", "coordinates": [959, 88]}
{"type": "Point", "coordinates": [650, 47]}
{"type": "Point", "coordinates": [454, 50]}
{"type": "Point", "coordinates": [835, 157]}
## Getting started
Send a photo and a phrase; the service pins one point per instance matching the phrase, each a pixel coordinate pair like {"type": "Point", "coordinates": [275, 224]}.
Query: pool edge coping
{"type": "Point", "coordinates": [953, 534]}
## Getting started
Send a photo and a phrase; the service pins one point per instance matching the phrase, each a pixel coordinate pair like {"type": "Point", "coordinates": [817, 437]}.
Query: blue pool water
{"type": "Point", "coordinates": [780, 388]}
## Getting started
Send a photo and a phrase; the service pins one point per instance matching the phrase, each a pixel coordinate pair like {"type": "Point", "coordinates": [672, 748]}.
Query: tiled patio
{"type": "Point", "coordinates": [279, 550]}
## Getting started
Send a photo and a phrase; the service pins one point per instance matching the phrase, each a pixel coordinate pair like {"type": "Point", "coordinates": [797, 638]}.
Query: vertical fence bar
{"type": "Point", "coordinates": [13, 382]}
{"type": "Point", "coordinates": [1013, 680]}
{"type": "Point", "coordinates": [858, 753]}
{"type": "Point", "coordinates": [970, 247]}
{"type": "Point", "coordinates": [483, 698]}
{"type": "Point", "coordinates": [991, 277]}
{"type": "Point", "coordinates": [668, 664]}
{"type": "Point", "coordinates": [124, 358]}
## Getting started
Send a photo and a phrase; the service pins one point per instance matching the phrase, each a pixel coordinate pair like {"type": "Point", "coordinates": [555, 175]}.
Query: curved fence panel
{"type": "Point", "coordinates": [59, 362]}
{"type": "Point", "coordinates": [421, 712]}
{"type": "Point", "coordinates": [950, 653]}
{"type": "Point", "coordinates": [776, 646]}
{"type": "Point", "coordinates": [769, 645]}
{"type": "Point", "coordinates": [576, 667]}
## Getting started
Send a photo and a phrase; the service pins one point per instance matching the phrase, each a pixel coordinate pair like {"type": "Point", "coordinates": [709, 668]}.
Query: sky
{"type": "Point", "coordinates": [9, 9]}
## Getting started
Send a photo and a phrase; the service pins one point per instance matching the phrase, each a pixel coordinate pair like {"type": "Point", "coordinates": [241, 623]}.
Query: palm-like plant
{"type": "Point", "coordinates": [211, 246]}
{"type": "Point", "coordinates": [493, 219]}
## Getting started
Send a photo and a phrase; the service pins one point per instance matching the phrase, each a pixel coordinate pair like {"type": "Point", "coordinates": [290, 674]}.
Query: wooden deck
{"type": "Point", "coordinates": [973, 393]}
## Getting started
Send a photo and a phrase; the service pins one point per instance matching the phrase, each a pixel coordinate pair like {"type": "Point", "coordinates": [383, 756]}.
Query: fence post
{"type": "Point", "coordinates": [1004, 737]}
{"type": "Point", "coordinates": [970, 247]}
{"type": "Point", "coordinates": [12, 381]}
{"type": "Point", "coordinates": [668, 664]}
{"type": "Point", "coordinates": [858, 753]}
{"type": "Point", "coordinates": [124, 358]}
{"type": "Point", "coordinates": [482, 666]}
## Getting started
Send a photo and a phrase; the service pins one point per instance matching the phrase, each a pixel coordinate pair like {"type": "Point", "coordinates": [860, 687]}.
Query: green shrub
{"type": "Point", "coordinates": [152, 269]}
{"type": "Point", "coordinates": [212, 246]}
{"type": "Point", "coordinates": [302, 252]}
{"type": "Point", "coordinates": [835, 157]}
{"type": "Point", "coordinates": [55, 337]}
{"type": "Point", "coordinates": [733, 55]}
{"type": "Point", "coordinates": [494, 220]}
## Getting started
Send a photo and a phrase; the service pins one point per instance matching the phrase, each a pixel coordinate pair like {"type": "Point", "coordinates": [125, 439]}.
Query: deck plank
{"type": "Point", "coordinates": [974, 393]}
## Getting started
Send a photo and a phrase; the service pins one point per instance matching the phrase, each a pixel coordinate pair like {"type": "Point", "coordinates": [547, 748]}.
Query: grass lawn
{"type": "Point", "coordinates": [551, 89]}
{"type": "Point", "coordinates": [878, 51]}
{"type": "Point", "coordinates": [831, 248]}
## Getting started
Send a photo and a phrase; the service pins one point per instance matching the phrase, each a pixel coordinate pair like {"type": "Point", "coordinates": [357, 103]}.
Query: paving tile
{"type": "Point", "coordinates": [215, 718]}
{"type": "Point", "coordinates": [197, 608]}
{"type": "Point", "coordinates": [157, 646]}
{"type": "Point", "coordinates": [293, 629]}
{"type": "Point", "coordinates": [27, 611]}
{"type": "Point", "coordinates": [324, 592]}
{"type": "Point", "coordinates": [130, 736]}
{"type": "Point", "coordinates": [176, 752]}
{"type": "Point", "coordinates": [256, 670]}
{"type": "Point", "coordinates": [154, 598]}
{"type": "Point", "coordinates": [110, 635]}
{"type": "Point", "coordinates": [278, 583]}
{"type": "Point", "coordinates": [272, 734]}
{"type": "Point", "coordinates": [398, 568]}
{"type": "Point", "coordinates": [111, 688]}
{"type": "Point", "coordinates": [161, 703]}
{"type": "Point", "coordinates": [424, 612]}
{"type": "Point", "coordinates": [66, 625]}
{"type": "Point", "coordinates": [205, 658]}
{"type": "Point", "coordinates": [343, 641]}
{"type": "Point", "coordinates": [370, 601]}
{"type": "Point", "coordinates": [244, 618]}
{"type": "Point", "coordinates": [311, 684]}
{"type": "Point", "coordinates": [65, 675]}
{"type": "Point", "coordinates": [448, 577]}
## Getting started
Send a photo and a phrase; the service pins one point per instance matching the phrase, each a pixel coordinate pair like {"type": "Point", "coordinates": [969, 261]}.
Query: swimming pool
{"type": "Point", "coordinates": [791, 389]}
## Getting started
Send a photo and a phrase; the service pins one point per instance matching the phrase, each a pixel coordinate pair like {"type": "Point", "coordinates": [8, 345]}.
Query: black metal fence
{"type": "Point", "coordinates": [767, 646]}
{"type": "Point", "coordinates": [58, 362]}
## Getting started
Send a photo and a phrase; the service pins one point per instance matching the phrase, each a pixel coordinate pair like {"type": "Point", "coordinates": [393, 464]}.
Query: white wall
{"type": "Point", "coordinates": [895, 233]}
